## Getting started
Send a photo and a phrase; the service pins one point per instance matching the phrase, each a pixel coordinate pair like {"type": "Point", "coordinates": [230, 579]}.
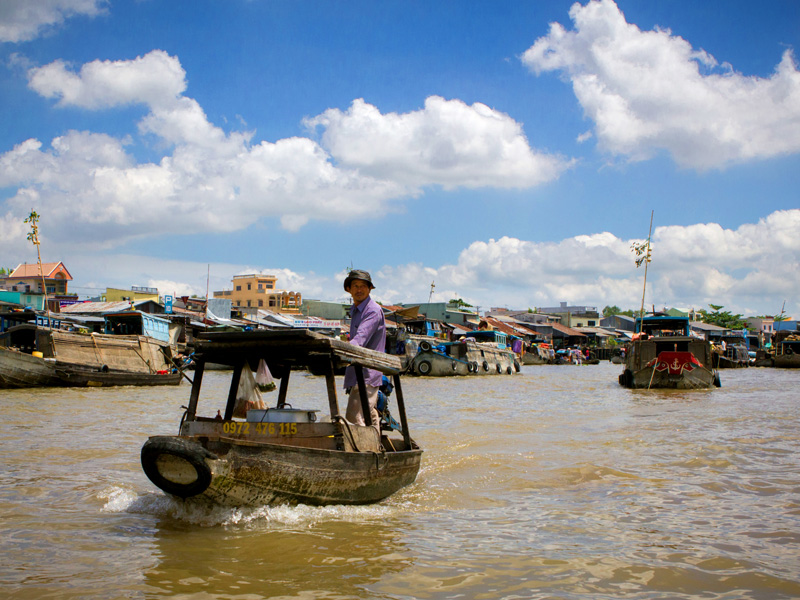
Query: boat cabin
{"type": "Point", "coordinates": [655, 334]}
{"type": "Point", "coordinates": [282, 352]}
{"type": "Point", "coordinates": [661, 326]}
{"type": "Point", "coordinates": [490, 336]}
{"type": "Point", "coordinates": [137, 323]}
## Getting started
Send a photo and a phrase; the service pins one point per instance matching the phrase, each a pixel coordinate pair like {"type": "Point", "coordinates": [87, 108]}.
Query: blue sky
{"type": "Point", "coordinates": [509, 152]}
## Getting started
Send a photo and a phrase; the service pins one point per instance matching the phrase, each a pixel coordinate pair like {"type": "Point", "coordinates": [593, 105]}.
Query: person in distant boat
{"type": "Point", "coordinates": [368, 330]}
{"type": "Point", "coordinates": [483, 326]}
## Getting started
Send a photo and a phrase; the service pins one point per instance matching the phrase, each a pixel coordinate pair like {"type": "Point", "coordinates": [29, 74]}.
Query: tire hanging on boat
{"type": "Point", "coordinates": [424, 367]}
{"type": "Point", "coordinates": [158, 449]}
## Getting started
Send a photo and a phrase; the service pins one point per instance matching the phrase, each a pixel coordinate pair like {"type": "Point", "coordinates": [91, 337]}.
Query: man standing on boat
{"type": "Point", "coordinates": [368, 330]}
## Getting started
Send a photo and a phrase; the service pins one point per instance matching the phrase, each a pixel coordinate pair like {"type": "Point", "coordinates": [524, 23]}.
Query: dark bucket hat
{"type": "Point", "coordinates": [358, 274]}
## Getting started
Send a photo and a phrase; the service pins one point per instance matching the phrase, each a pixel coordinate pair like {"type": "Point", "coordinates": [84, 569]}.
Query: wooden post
{"type": "Point", "coordinates": [191, 411]}
{"type": "Point", "coordinates": [237, 375]}
{"type": "Point", "coordinates": [401, 407]}
{"type": "Point", "coordinates": [362, 393]}
{"type": "Point", "coordinates": [284, 387]}
{"type": "Point", "coordinates": [330, 381]}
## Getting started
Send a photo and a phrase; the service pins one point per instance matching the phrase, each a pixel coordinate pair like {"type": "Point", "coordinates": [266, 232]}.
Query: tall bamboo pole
{"type": "Point", "coordinates": [33, 237]}
{"type": "Point", "coordinates": [646, 260]}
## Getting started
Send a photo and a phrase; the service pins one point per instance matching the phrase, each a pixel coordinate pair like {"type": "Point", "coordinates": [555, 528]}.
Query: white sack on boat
{"type": "Point", "coordinates": [248, 396]}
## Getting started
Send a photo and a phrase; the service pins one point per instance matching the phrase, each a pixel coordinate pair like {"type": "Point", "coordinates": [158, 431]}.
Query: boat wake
{"type": "Point", "coordinates": [125, 500]}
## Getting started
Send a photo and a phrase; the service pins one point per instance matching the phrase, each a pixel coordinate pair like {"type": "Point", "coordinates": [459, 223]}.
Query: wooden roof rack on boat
{"type": "Point", "coordinates": [292, 349]}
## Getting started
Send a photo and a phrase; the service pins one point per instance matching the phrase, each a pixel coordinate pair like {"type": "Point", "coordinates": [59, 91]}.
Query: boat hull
{"type": "Point", "coordinates": [786, 361]}
{"type": "Point", "coordinates": [698, 378]}
{"type": "Point", "coordinates": [21, 370]}
{"type": "Point", "coordinates": [77, 377]}
{"type": "Point", "coordinates": [463, 359]}
{"type": "Point", "coordinates": [672, 362]}
{"type": "Point", "coordinates": [249, 474]}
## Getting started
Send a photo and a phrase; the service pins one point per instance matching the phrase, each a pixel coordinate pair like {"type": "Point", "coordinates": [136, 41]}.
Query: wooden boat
{"type": "Point", "coordinates": [282, 454]}
{"type": "Point", "coordinates": [21, 370]}
{"type": "Point", "coordinates": [74, 376]}
{"type": "Point", "coordinates": [468, 356]}
{"type": "Point", "coordinates": [787, 350]}
{"type": "Point", "coordinates": [664, 354]}
{"type": "Point", "coordinates": [539, 354]}
{"type": "Point", "coordinates": [35, 356]}
{"type": "Point", "coordinates": [730, 351]}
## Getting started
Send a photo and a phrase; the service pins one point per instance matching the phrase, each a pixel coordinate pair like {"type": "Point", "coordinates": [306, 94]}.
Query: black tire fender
{"type": "Point", "coordinates": [187, 450]}
{"type": "Point", "coordinates": [485, 366]}
{"type": "Point", "coordinates": [499, 368]}
{"type": "Point", "coordinates": [509, 370]}
{"type": "Point", "coordinates": [454, 364]}
{"type": "Point", "coordinates": [424, 367]}
{"type": "Point", "coordinates": [517, 366]}
{"type": "Point", "coordinates": [425, 346]}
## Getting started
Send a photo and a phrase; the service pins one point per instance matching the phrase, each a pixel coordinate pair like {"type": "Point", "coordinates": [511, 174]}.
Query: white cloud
{"type": "Point", "coordinates": [153, 79]}
{"type": "Point", "coordinates": [24, 20]}
{"type": "Point", "coordinates": [222, 182]}
{"type": "Point", "coordinates": [692, 266]}
{"type": "Point", "coordinates": [448, 143]}
{"type": "Point", "coordinates": [649, 91]}
{"type": "Point", "coordinates": [750, 270]}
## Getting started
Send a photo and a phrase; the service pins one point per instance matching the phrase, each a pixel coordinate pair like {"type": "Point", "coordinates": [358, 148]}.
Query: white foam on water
{"type": "Point", "coordinates": [124, 500]}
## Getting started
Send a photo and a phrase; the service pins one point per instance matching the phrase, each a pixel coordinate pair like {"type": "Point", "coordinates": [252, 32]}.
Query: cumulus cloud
{"type": "Point", "coordinates": [748, 270]}
{"type": "Point", "coordinates": [25, 20]}
{"type": "Point", "coordinates": [86, 179]}
{"type": "Point", "coordinates": [692, 266]}
{"type": "Point", "coordinates": [447, 143]}
{"type": "Point", "coordinates": [154, 79]}
{"type": "Point", "coordinates": [651, 91]}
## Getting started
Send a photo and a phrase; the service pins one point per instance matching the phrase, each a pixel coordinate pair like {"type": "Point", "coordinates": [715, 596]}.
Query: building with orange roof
{"type": "Point", "coordinates": [27, 278]}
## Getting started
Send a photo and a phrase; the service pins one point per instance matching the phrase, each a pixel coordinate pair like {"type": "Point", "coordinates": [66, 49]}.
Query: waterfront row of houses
{"type": "Point", "coordinates": [255, 301]}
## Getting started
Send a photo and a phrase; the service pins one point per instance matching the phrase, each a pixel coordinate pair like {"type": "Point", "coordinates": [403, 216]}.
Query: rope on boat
{"type": "Point", "coordinates": [341, 419]}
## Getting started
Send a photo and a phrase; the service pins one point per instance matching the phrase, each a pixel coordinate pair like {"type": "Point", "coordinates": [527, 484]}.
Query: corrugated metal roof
{"type": "Point", "coordinates": [566, 330]}
{"type": "Point", "coordinates": [99, 307]}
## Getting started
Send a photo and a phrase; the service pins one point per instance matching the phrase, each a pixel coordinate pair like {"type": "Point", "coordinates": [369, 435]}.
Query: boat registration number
{"type": "Point", "coordinates": [245, 428]}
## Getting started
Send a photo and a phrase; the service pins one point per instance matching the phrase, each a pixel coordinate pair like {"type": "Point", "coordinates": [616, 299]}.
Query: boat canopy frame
{"type": "Point", "coordinates": [285, 350]}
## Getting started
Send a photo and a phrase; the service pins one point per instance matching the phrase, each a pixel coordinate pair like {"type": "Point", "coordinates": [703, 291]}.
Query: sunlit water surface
{"type": "Point", "coordinates": [554, 483]}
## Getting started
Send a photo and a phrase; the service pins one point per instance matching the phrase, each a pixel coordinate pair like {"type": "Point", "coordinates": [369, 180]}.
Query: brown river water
{"type": "Point", "coordinates": [553, 483]}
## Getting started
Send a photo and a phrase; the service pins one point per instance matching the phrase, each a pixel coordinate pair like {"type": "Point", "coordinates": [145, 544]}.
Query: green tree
{"type": "Point", "coordinates": [610, 311]}
{"type": "Point", "coordinates": [721, 318]}
{"type": "Point", "coordinates": [459, 303]}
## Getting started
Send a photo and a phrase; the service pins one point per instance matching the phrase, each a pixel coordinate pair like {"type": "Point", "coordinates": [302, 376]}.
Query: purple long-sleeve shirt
{"type": "Point", "coordinates": [368, 330]}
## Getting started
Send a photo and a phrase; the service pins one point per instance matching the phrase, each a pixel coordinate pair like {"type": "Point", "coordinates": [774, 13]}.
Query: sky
{"type": "Point", "coordinates": [506, 153]}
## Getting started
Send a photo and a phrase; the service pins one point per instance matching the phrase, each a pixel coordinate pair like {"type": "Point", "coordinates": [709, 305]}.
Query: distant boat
{"type": "Point", "coordinates": [478, 354]}
{"type": "Point", "coordinates": [539, 354]}
{"type": "Point", "coordinates": [36, 356]}
{"type": "Point", "coordinates": [787, 350]}
{"type": "Point", "coordinates": [664, 354]}
{"type": "Point", "coordinates": [729, 351]}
